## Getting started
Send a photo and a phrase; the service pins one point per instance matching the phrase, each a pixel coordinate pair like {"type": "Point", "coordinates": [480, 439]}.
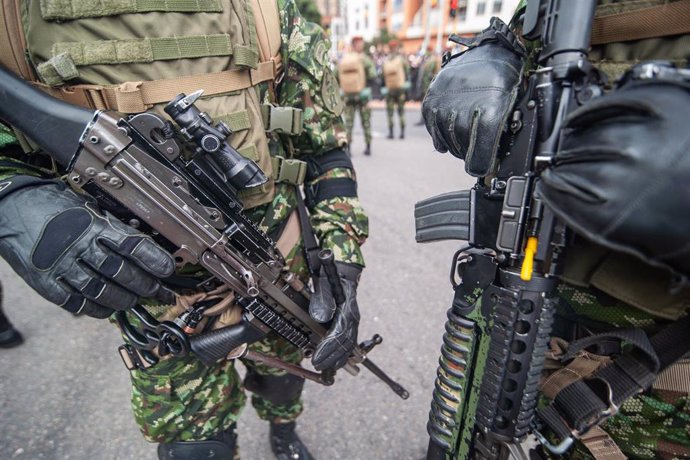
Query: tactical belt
{"type": "Point", "coordinates": [587, 402]}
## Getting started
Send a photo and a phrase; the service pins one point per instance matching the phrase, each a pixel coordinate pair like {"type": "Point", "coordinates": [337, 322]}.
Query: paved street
{"type": "Point", "coordinates": [64, 394]}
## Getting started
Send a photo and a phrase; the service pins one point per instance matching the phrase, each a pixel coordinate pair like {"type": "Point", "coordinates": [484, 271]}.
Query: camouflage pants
{"type": "Point", "coordinates": [653, 425]}
{"type": "Point", "coordinates": [395, 98]}
{"type": "Point", "coordinates": [182, 399]}
{"type": "Point", "coordinates": [352, 106]}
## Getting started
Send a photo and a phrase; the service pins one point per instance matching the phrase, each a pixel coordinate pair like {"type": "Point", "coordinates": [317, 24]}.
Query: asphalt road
{"type": "Point", "coordinates": [64, 394]}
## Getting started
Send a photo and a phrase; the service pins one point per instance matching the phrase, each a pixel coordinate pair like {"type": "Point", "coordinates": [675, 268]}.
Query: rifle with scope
{"type": "Point", "coordinates": [135, 167]}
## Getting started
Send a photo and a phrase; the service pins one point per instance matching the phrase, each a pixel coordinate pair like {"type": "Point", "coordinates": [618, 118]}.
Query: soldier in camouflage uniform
{"type": "Point", "coordinates": [359, 102]}
{"type": "Point", "coordinates": [430, 67]}
{"type": "Point", "coordinates": [396, 97]}
{"type": "Point", "coordinates": [187, 407]}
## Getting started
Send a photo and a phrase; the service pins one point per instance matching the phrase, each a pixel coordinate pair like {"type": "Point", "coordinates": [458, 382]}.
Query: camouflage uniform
{"type": "Point", "coordinates": [431, 66]}
{"type": "Point", "coordinates": [360, 103]}
{"type": "Point", "coordinates": [182, 399]}
{"type": "Point", "coordinates": [396, 98]}
{"type": "Point", "coordinates": [606, 290]}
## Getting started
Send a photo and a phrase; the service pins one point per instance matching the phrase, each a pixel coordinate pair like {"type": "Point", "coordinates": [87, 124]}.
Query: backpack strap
{"type": "Point", "coordinates": [267, 19]}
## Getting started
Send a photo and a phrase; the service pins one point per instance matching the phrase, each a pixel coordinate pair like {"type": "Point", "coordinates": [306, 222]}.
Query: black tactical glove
{"type": "Point", "coordinates": [76, 257]}
{"type": "Point", "coordinates": [334, 349]}
{"type": "Point", "coordinates": [621, 176]}
{"type": "Point", "coordinates": [468, 103]}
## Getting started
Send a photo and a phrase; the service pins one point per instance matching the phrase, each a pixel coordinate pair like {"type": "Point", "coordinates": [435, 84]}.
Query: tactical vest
{"type": "Point", "coordinates": [625, 33]}
{"type": "Point", "coordinates": [394, 72]}
{"type": "Point", "coordinates": [351, 73]}
{"type": "Point", "coordinates": [136, 55]}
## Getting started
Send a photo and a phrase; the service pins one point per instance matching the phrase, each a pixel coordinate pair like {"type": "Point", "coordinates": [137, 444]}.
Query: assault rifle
{"type": "Point", "coordinates": [487, 386]}
{"type": "Point", "coordinates": [190, 205]}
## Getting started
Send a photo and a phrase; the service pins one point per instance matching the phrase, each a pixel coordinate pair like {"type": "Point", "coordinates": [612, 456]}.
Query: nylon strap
{"type": "Point", "coordinates": [311, 245]}
{"type": "Point", "coordinates": [601, 446]}
{"type": "Point", "coordinates": [12, 40]}
{"type": "Point", "coordinates": [76, 9]}
{"type": "Point", "coordinates": [586, 403]}
{"type": "Point", "coordinates": [136, 97]}
{"type": "Point", "coordinates": [657, 21]}
{"type": "Point", "coordinates": [145, 49]}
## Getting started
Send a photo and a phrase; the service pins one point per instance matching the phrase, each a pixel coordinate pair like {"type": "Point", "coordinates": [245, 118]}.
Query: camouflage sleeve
{"type": "Point", "coordinates": [11, 161]}
{"type": "Point", "coordinates": [309, 83]}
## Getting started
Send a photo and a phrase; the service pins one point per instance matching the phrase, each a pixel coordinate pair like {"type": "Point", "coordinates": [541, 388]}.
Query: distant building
{"type": "Point", "coordinates": [408, 20]}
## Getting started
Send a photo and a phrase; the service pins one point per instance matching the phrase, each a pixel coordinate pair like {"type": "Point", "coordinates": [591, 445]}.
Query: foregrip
{"type": "Point", "coordinates": [213, 346]}
{"type": "Point", "coordinates": [328, 264]}
{"type": "Point", "coordinates": [522, 319]}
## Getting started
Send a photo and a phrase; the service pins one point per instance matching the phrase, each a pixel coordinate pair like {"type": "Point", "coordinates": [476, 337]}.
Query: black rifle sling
{"type": "Point", "coordinates": [586, 403]}
{"type": "Point", "coordinates": [311, 246]}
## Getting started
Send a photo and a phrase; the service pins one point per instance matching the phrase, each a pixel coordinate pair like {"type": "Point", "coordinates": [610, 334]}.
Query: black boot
{"type": "Point", "coordinates": [402, 132]}
{"type": "Point", "coordinates": [285, 443]}
{"type": "Point", "coordinates": [390, 133]}
{"type": "Point", "coordinates": [367, 151]}
{"type": "Point", "coordinates": [222, 446]}
{"type": "Point", "coordinates": [10, 337]}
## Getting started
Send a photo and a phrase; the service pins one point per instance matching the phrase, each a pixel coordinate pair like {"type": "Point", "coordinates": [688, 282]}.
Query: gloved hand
{"type": "Point", "coordinates": [365, 94]}
{"type": "Point", "coordinates": [621, 175]}
{"type": "Point", "coordinates": [336, 346]}
{"type": "Point", "coordinates": [467, 106]}
{"type": "Point", "coordinates": [76, 257]}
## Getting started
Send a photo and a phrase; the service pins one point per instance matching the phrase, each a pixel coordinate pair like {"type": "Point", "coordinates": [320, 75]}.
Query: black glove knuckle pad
{"type": "Point", "coordinates": [65, 249]}
{"type": "Point", "coordinates": [622, 180]}
{"type": "Point", "coordinates": [469, 102]}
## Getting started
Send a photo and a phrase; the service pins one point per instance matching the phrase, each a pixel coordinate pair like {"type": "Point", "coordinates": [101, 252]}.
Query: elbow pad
{"type": "Point", "coordinates": [326, 189]}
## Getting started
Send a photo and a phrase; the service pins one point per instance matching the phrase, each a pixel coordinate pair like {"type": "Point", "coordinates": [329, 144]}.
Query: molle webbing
{"type": "Point", "coordinates": [77, 9]}
{"type": "Point", "coordinates": [657, 21]}
{"type": "Point", "coordinates": [145, 49]}
{"type": "Point", "coordinates": [136, 97]}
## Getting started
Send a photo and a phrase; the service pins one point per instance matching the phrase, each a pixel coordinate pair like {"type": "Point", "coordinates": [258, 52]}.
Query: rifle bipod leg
{"type": "Point", "coordinates": [323, 378]}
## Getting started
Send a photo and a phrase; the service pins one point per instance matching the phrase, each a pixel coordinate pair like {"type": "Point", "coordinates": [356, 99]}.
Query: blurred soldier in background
{"type": "Point", "coordinates": [395, 77]}
{"type": "Point", "coordinates": [430, 67]}
{"type": "Point", "coordinates": [356, 73]}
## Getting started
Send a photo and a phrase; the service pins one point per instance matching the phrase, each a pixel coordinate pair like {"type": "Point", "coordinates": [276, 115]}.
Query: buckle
{"type": "Point", "coordinates": [286, 120]}
{"type": "Point", "coordinates": [131, 358]}
{"type": "Point", "coordinates": [287, 170]}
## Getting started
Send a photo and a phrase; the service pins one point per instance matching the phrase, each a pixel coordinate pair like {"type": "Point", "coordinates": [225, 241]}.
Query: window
{"type": "Point", "coordinates": [481, 8]}
{"type": "Point", "coordinates": [498, 4]}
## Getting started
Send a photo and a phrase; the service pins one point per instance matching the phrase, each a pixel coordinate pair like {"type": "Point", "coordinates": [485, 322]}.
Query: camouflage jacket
{"type": "Point", "coordinates": [308, 84]}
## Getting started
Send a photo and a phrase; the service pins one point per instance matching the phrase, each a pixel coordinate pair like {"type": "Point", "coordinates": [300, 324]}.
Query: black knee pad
{"type": "Point", "coordinates": [277, 389]}
{"type": "Point", "coordinates": [221, 447]}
